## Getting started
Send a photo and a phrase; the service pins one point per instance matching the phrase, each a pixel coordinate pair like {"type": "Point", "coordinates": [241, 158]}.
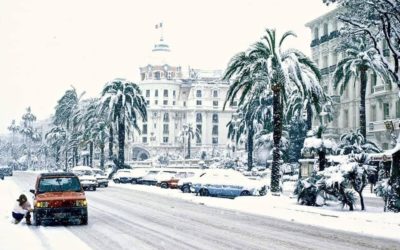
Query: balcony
{"type": "Point", "coordinates": [314, 42]}
{"type": "Point", "coordinates": [334, 34]}
{"type": "Point", "coordinates": [324, 38]}
{"type": "Point", "coordinates": [382, 89]}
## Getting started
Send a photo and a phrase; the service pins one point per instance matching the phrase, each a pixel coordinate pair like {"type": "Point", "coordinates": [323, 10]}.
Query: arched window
{"type": "Point", "coordinates": [325, 29]}
{"type": "Point", "coordinates": [316, 33]}
{"type": "Point", "coordinates": [199, 118]}
{"type": "Point", "coordinates": [157, 75]}
{"type": "Point", "coordinates": [166, 117]}
{"type": "Point", "coordinates": [215, 118]}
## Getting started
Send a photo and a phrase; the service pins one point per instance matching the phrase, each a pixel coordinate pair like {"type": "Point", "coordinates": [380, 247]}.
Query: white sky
{"type": "Point", "coordinates": [48, 45]}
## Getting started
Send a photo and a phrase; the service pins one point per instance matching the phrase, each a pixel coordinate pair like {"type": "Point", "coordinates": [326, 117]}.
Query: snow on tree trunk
{"type": "Point", "coordinates": [121, 142]}
{"type": "Point", "coordinates": [188, 146]}
{"type": "Point", "coordinates": [277, 134]}
{"type": "Point", "coordinates": [91, 154]}
{"type": "Point", "coordinates": [102, 156]}
{"type": "Point", "coordinates": [250, 143]}
{"type": "Point", "coordinates": [363, 119]}
{"type": "Point", "coordinates": [309, 116]}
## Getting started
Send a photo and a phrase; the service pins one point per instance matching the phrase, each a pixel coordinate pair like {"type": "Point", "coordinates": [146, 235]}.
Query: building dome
{"type": "Point", "coordinates": [161, 55]}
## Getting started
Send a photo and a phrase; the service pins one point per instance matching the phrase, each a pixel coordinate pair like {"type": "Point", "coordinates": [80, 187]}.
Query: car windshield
{"type": "Point", "coordinates": [59, 184]}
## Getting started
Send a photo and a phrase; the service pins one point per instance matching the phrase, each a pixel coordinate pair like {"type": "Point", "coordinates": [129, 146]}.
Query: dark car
{"type": "Point", "coordinates": [59, 197]}
{"type": "Point", "coordinates": [6, 171]}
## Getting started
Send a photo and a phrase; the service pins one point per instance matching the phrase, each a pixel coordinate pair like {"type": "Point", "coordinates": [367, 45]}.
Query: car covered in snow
{"type": "Point", "coordinates": [172, 181]}
{"type": "Point", "coordinates": [129, 175]}
{"type": "Point", "coordinates": [86, 176]}
{"type": "Point", "coordinates": [227, 183]}
{"type": "Point", "coordinates": [156, 175]}
{"type": "Point", "coordinates": [184, 184]}
{"type": "Point", "coordinates": [6, 170]}
{"type": "Point", "coordinates": [101, 177]}
{"type": "Point", "coordinates": [59, 197]}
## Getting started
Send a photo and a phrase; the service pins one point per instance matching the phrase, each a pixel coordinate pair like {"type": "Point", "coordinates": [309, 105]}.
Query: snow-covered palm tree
{"type": "Point", "coordinates": [125, 105]}
{"type": "Point", "coordinates": [355, 143]}
{"type": "Point", "coordinates": [267, 67]}
{"type": "Point", "coordinates": [190, 133]}
{"type": "Point", "coordinates": [56, 138]}
{"type": "Point", "coordinates": [360, 59]}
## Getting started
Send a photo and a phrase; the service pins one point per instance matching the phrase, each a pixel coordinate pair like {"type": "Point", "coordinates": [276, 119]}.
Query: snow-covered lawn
{"type": "Point", "coordinates": [371, 222]}
{"type": "Point", "coordinates": [21, 236]}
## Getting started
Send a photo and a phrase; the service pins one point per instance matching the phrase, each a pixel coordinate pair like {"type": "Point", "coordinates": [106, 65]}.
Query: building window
{"type": "Point", "coordinates": [144, 131]}
{"type": "Point", "coordinates": [166, 117]}
{"type": "Point", "coordinates": [373, 83]}
{"type": "Point", "coordinates": [198, 102]}
{"type": "Point", "coordinates": [398, 109]}
{"type": "Point", "coordinates": [234, 104]}
{"type": "Point", "coordinates": [147, 102]}
{"type": "Point", "coordinates": [174, 103]}
{"type": "Point", "coordinates": [386, 114]}
{"type": "Point", "coordinates": [156, 93]}
{"type": "Point", "coordinates": [157, 75]}
{"type": "Point", "coordinates": [144, 139]}
{"type": "Point", "coordinates": [325, 62]}
{"type": "Point", "coordinates": [143, 76]}
{"type": "Point", "coordinates": [184, 104]}
{"type": "Point", "coordinates": [215, 130]}
{"type": "Point", "coordinates": [165, 92]}
{"type": "Point", "coordinates": [215, 93]}
{"type": "Point", "coordinates": [156, 102]}
{"type": "Point", "coordinates": [215, 118]}
{"type": "Point", "coordinates": [198, 93]}
{"type": "Point", "coordinates": [325, 29]}
{"type": "Point", "coordinates": [346, 119]}
{"type": "Point", "coordinates": [155, 125]}
{"type": "Point", "coordinates": [165, 139]}
{"type": "Point", "coordinates": [215, 104]}
{"type": "Point", "coordinates": [198, 131]}
{"type": "Point", "coordinates": [166, 129]}
{"type": "Point", "coordinates": [215, 140]}
{"type": "Point", "coordinates": [316, 33]}
{"type": "Point", "coordinates": [373, 113]}
{"type": "Point", "coordinates": [199, 118]}
{"type": "Point", "coordinates": [165, 102]}
{"type": "Point", "coordinates": [169, 75]}
{"type": "Point", "coordinates": [147, 93]}
{"type": "Point", "coordinates": [173, 93]}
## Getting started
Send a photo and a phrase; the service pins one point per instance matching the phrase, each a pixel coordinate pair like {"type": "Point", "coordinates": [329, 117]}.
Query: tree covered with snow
{"type": "Point", "coordinates": [379, 21]}
{"type": "Point", "coordinates": [124, 105]}
{"type": "Point", "coordinates": [361, 59]}
{"type": "Point", "coordinates": [267, 67]}
{"type": "Point", "coordinates": [355, 143]}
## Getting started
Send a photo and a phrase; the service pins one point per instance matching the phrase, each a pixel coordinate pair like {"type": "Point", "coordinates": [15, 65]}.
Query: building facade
{"type": "Point", "coordinates": [178, 101]}
{"type": "Point", "coordinates": [382, 102]}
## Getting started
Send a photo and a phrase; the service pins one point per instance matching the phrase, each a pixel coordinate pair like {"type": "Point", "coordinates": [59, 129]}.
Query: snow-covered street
{"type": "Point", "coordinates": [142, 217]}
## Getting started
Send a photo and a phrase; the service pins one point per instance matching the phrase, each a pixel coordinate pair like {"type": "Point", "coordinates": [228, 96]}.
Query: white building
{"type": "Point", "coordinates": [176, 100]}
{"type": "Point", "coordinates": [382, 102]}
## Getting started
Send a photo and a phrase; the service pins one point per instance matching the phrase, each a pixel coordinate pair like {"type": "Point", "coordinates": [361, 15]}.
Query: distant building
{"type": "Point", "coordinates": [382, 102]}
{"type": "Point", "coordinates": [178, 98]}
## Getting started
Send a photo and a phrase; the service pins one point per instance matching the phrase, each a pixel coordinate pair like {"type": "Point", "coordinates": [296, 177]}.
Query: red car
{"type": "Point", "coordinates": [173, 181]}
{"type": "Point", "coordinates": [59, 197]}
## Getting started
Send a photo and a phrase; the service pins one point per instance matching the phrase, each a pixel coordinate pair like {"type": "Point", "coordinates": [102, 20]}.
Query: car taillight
{"type": "Point", "coordinates": [81, 203]}
{"type": "Point", "coordinates": [41, 204]}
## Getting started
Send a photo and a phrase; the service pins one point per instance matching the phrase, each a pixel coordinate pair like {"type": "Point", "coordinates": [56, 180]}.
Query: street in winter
{"type": "Point", "coordinates": [256, 124]}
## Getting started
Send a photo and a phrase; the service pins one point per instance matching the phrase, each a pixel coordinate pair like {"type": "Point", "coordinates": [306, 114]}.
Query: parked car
{"type": "Point", "coordinates": [6, 170]}
{"type": "Point", "coordinates": [123, 176]}
{"type": "Point", "coordinates": [154, 176]}
{"type": "Point", "coordinates": [227, 183]}
{"type": "Point", "coordinates": [86, 176]}
{"type": "Point", "coordinates": [101, 177]}
{"type": "Point", "coordinates": [172, 182]}
{"type": "Point", "coordinates": [185, 184]}
{"type": "Point", "coordinates": [59, 197]}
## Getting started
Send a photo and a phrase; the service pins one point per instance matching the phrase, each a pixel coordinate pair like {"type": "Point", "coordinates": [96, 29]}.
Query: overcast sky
{"type": "Point", "coordinates": [47, 45]}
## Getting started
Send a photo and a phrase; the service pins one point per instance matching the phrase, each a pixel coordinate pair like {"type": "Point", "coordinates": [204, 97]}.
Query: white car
{"type": "Point", "coordinates": [129, 175]}
{"type": "Point", "coordinates": [227, 183]}
{"type": "Point", "coordinates": [185, 183]}
{"type": "Point", "coordinates": [102, 180]}
{"type": "Point", "coordinates": [86, 177]}
{"type": "Point", "coordinates": [156, 175]}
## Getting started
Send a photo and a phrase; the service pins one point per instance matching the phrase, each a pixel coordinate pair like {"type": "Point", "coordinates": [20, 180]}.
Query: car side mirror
{"type": "Point", "coordinates": [32, 191]}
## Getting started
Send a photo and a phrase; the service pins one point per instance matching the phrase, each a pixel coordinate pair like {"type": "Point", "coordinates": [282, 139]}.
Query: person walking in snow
{"type": "Point", "coordinates": [22, 209]}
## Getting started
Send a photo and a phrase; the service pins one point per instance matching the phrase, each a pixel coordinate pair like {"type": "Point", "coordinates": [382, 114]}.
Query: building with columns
{"type": "Point", "coordinates": [179, 99]}
{"type": "Point", "coordinates": [382, 101]}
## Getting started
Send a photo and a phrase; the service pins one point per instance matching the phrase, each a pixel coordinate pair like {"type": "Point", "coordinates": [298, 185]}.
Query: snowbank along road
{"type": "Point", "coordinates": [127, 219]}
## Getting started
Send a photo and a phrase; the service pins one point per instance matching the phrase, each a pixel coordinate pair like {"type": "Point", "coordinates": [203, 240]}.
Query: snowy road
{"type": "Point", "coordinates": [127, 219]}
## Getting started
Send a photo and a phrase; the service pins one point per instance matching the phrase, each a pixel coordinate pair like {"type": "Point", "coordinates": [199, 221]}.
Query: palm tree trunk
{"type": "Point", "coordinates": [309, 116]}
{"type": "Point", "coordinates": [363, 119]}
{"type": "Point", "coordinates": [76, 156]}
{"type": "Point", "coordinates": [361, 200]}
{"type": "Point", "coordinates": [110, 143]}
{"type": "Point", "coordinates": [91, 154]}
{"type": "Point", "coordinates": [102, 156]}
{"type": "Point", "coordinates": [322, 159]}
{"type": "Point", "coordinates": [57, 155]}
{"type": "Point", "coordinates": [189, 146]}
{"type": "Point", "coordinates": [250, 143]}
{"type": "Point", "coordinates": [277, 134]}
{"type": "Point", "coordinates": [121, 143]}
{"type": "Point", "coordinates": [66, 159]}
